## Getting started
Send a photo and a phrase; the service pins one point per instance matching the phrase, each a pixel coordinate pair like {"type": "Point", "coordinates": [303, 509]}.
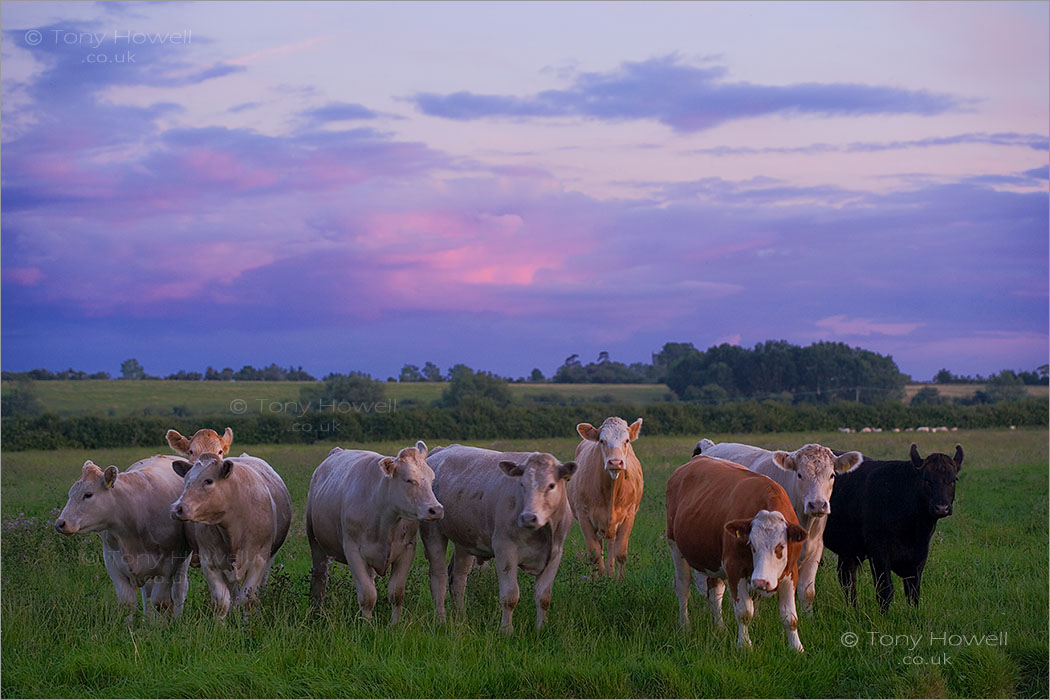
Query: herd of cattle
{"type": "Point", "coordinates": [754, 519]}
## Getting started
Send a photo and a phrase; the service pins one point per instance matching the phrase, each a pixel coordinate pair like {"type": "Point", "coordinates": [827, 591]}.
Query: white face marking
{"type": "Point", "coordinates": [614, 439]}
{"type": "Point", "coordinates": [768, 538]}
{"type": "Point", "coordinates": [815, 471]}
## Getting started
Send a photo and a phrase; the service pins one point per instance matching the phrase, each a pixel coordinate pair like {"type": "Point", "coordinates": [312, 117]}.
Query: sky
{"type": "Point", "coordinates": [357, 186]}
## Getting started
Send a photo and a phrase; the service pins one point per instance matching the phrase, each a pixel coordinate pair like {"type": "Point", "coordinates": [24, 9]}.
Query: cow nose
{"type": "Point", "coordinates": [176, 511]}
{"type": "Point", "coordinates": [942, 510]}
{"type": "Point", "coordinates": [60, 525]}
{"type": "Point", "coordinates": [615, 464]}
{"type": "Point", "coordinates": [529, 520]}
{"type": "Point", "coordinates": [818, 508]}
{"type": "Point", "coordinates": [761, 584]}
{"type": "Point", "coordinates": [435, 512]}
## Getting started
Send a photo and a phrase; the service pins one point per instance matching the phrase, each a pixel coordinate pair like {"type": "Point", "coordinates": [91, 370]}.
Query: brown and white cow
{"type": "Point", "coordinates": [240, 512]}
{"type": "Point", "coordinates": [143, 549]}
{"type": "Point", "coordinates": [363, 510]}
{"type": "Point", "coordinates": [204, 440]}
{"type": "Point", "coordinates": [807, 475]}
{"type": "Point", "coordinates": [731, 524]}
{"type": "Point", "coordinates": [507, 506]}
{"type": "Point", "coordinates": [606, 490]}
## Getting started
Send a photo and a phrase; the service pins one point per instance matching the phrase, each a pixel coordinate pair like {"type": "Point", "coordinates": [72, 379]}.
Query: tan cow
{"type": "Point", "coordinates": [240, 510]}
{"type": "Point", "coordinates": [606, 490]}
{"type": "Point", "coordinates": [204, 440]}
{"type": "Point", "coordinates": [731, 524]}
{"type": "Point", "coordinates": [507, 506]}
{"type": "Point", "coordinates": [363, 510]}
{"type": "Point", "coordinates": [144, 550]}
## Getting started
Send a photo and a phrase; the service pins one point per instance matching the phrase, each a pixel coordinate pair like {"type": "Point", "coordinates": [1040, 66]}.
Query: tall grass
{"type": "Point", "coordinates": [63, 633]}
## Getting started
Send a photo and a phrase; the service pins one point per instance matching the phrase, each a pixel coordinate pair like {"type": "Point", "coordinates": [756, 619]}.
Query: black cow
{"type": "Point", "coordinates": [886, 511]}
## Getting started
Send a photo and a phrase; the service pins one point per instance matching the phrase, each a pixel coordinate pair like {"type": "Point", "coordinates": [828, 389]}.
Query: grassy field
{"type": "Point", "coordinates": [64, 635]}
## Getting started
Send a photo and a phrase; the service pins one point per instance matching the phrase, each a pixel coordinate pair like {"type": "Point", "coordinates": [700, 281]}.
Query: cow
{"type": "Point", "coordinates": [807, 475]}
{"type": "Point", "coordinates": [729, 524]}
{"type": "Point", "coordinates": [886, 512]}
{"type": "Point", "coordinates": [363, 510]}
{"type": "Point", "coordinates": [144, 551]}
{"type": "Point", "coordinates": [507, 506]}
{"type": "Point", "coordinates": [204, 440]}
{"type": "Point", "coordinates": [240, 512]}
{"type": "Point", "coordinates": [606, 490]}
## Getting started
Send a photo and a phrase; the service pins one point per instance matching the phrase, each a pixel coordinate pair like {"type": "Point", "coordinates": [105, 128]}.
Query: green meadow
{"type": "Point", "coordinates": [981, 630]}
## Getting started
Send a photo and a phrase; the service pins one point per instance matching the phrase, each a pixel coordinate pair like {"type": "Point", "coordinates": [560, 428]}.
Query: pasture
{"type": "Point", "coordinates": [981, 630]}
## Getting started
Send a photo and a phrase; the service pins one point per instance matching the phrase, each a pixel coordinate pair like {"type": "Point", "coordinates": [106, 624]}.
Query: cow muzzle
{"type": "Point", "coordinates": [178, 512]}
{"type": "Point", "coordinates": [432, 513]}
{"type": "Point", "coordinates": [818, 509]}
{"type": "Point", "coordinates": [942, 510]}
{"type": "Point", "coordinates": [530, 521]}
{"type": "Point", "coordinates": [763, 587]}
{"type": "Point", "coordinates": [614, 467]}
{"type": "Point", "coordinates": [64, 527]}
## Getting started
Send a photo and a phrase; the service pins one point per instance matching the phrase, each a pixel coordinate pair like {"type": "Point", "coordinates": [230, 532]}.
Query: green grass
{"type": "Point", "coordinates": [64, 636]}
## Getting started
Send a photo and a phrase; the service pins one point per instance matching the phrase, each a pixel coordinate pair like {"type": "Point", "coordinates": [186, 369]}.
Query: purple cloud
{"type": "Point", "coordinates": [687, 98]}
{"type": "Point", "coordinates": [1036, 142]}
{"type": "Point", "coordinates": [337, 112]}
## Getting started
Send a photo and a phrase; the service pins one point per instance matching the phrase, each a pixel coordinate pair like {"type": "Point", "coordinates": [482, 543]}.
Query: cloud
{"type": "Point", "coordinates": [687, 98]}
{"type": "Point", "coordinates": [842, 325]}
{"type": "Point", "coordinates": [1036, 142]}
{"type": "Point", "coordinates": [337, 112]}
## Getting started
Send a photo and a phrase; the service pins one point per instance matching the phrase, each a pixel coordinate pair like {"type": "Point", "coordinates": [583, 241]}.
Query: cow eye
{"type": "Point", "coordinates": [208, 482]}
{"type": "Point", "coordinates": [550, 487]}
{"type": "Point", "coordinates": [798, 475]}
{"type": "Point", "coordinates": [88, 495]}
{"type": "Point", "coordinates": [410, 482]}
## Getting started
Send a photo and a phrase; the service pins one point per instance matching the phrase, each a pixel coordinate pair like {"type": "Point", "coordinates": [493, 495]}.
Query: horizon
{"type": "Point", "coordinates": [503, 185]}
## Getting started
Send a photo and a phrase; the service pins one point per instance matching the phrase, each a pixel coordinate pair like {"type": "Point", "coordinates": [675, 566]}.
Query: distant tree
{"type": "Point", "coordinates": [928, 396]}
{"type": "Point", "coordinates": [20, 400]}
{"type": "Point", "coordinates": [1005, 386]}
{"type": "Point", "coordinates": [99, 375]}
{"type": "Point", "coordinates": [131, 369]}
{"type": "Point", "coordinates": [211, 375]}
{"type": "Point", "coordinates": [603, 356]}
{"type": "Point", "coordinates": [299, 375]}
{"type": "Point", "coordinates": [432, 373]}
{"type": "Point", "coordinates": [1044, 372]}
{"type": "Point", "coordinates": [354, 388]}
{"type": "Point", "coordinates": [410, 373]}
{"type": "Point", "coordinates": [466, 385]}
{"type": "Point", "coordinates": [668, 355]}
{"type": "Point", "coordinates": [537, 375]}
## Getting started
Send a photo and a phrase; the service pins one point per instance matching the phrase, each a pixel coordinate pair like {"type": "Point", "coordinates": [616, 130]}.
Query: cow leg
{"type": "Point", "coordinates": [255, 578]}
{"type": "Point", "coordinates": [544, 585]}
{"type": "Point", "coordinates": [618, 549]}
{"type": "Point", "coordinates": [507, 572]}
{"type": "Point", "coordinates": [880, 572]}
{"type": "Point", "coordinates": [847, 569]}
{"type": "Point", "coordinates": [744, 608]}
{"type": "Point", "coordinates": [217, 587]}
{"type": "Point", "coordinates": [807, 574]}
{"type": "Point", "coordinates": [318, 573]}
{"type": "Point", "coordinates": [180, 584]}
{"type": "Point", "coordinates": [593, 543]}
{"type": "Point", "coordinates": [158, 591]}
{"type": "Point", "coordinates": [395, 585]}
{"type": "Point", "coordinates": [786, 596]}
{"type": "Point", "coordinates": [127, 591]}
{"type": "Point", "coordinates": [912, 579]}
{"type": "Point", "coordinates": [681, 583]}
{"type": "Point", "coordinates": [363, 579]}
{"type": "Point", "coordinates": [716, 588]}
{"type": "Point", "coordinates": [435, 546]}
{"type": "Point", "coordinates": [459, 568]}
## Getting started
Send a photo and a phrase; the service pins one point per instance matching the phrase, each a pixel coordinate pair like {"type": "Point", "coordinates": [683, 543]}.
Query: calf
{"type": "Point", "coordinates": [510, 506]}
{"type": "Point", "coordinates": [807, 475]}
{"type": "Point", "coordinates": [143, 549]}
{"type": "Point", "coordinates": [886, 511]}
{"type": "Point", "coordinates": [240, 510]}
{"type": "Point", "coordinates": [731, 524]}
{"type": "Point", "coordinates": [606, 490]}
{"type": "Point", "coordinates": [363, 510]}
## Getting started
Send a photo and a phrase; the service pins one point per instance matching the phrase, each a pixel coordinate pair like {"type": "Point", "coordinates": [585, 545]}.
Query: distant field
{"type": "Point", "coordinates": [64, 634]}
{"type": "Point", "coordinates": [126, 398]}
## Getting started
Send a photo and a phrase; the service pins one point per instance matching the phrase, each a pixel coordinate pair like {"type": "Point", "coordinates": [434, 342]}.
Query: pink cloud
{"type": "Point", "coordinates": [25, 276]}
{"type": "Point", "coordinates": [841, 325]}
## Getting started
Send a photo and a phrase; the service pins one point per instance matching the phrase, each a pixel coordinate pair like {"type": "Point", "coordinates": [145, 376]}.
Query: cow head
{"type": "Point", "coordinates": [939, 472]}
{"type": "Point", "coordinates": [90, 502]}
{"type": "Point", "coordinates": [204, 440]}
{"type": "Point", "coordinates": [815, 467]}
{"type": "Point", "coordinates": [205, 493]}
{"type": "Point", "coordinates": [614, 439]}
{"type": "Point", "coordinates": [773, 542]}
{"type": "Point", "coordinates": [411, 484]}
{"type": "Point", "coordinates": [541, 486]}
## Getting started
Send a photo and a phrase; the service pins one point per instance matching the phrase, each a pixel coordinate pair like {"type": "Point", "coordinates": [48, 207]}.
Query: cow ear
{"type": "Point", "coordinates": [421, 448]}
{"type": "Point", "coordinates": [588, 432]}
{"type": "Point", "coordinates": [109, 477]}
{"type": "Point", "coordinates": [226, 440]}
{"type": "Point", "coordinates": [181, 467]}
{"type": "Point", "coordinates": [697, 450]}
{"type": "Point", "coordinates": [740, 529]}
{"type": "Point", "coordinates": [784, 461]}
{"type": "Point", "coordinates": [178, 443]}
{"type": "Point", "coordinates": [916, 460]}
{"type": "Point", "coordinates": [511, 468]}
{"type": "Point", "coordinates": [848, 462]}
{"type": "Point", "coordinates": [634, 429]}
{"type": "Point", "coordinates": [796, 533]}
{"type": "Point", "coordinates": [387, 464]}
{"type": "Point", "coordinates": [226, 469]}
{"type": "Point", "coordinates": [958, 458]}
{"type": "Point", "coordinates": [566, 470]}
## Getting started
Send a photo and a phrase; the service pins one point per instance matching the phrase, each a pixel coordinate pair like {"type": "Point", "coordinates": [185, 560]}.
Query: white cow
{"type": "Point", "coordinates": [807, 475]}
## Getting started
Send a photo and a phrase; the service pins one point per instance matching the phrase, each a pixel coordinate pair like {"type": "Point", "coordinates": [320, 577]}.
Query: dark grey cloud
{"type": "Point", "coordinates": [687, 98]}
